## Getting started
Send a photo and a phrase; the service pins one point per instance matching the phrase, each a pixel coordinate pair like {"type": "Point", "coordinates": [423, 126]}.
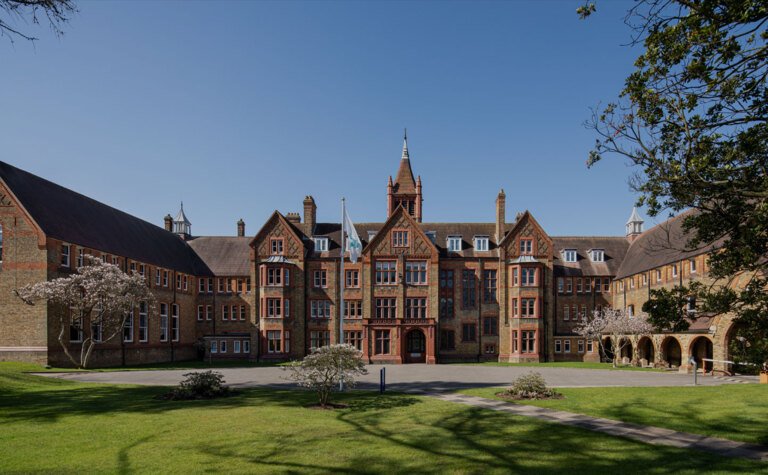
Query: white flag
{"type": "Point", "coordinates": [354, 245]}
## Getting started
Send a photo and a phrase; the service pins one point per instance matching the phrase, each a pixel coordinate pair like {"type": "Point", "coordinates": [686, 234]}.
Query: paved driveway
{"type": "Point", "coordinates": [418, 377]}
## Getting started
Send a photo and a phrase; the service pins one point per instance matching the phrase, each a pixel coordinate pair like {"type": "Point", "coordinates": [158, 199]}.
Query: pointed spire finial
{"type": "Point", "coordinates": [405, 145]}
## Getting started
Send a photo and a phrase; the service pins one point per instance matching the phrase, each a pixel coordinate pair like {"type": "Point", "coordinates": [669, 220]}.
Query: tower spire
{"type": "Point", "coordinates": [405, 145]}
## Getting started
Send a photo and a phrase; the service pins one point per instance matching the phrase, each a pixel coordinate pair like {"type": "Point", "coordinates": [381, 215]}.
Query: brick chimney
{"type": "Point", "coordinates": [240, 228]}
{"type": "Point", "coordinates": [168, 220]}
{"type": "Point", "coordinates": [501, 213]}
{"type": "Point", "coordinates": [293, 218]}
{"type": "Point", "coordinates": [310, 214]}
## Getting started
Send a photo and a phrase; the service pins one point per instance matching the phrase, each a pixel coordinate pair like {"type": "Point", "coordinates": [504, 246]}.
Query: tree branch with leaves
{"type": "Point", "coordinates": [692, 120]}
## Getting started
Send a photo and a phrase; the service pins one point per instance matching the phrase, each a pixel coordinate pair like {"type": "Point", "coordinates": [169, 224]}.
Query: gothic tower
{"type": "Point", "coordinates": [405, 191]}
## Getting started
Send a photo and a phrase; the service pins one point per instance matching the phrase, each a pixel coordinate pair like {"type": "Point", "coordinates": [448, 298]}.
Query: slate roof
{"type": "Point", "coordinates": [69, 216]}
{"type": "Point", "coordinates": [663, 244]}
{"type": "Point", "coordinates": [615, 248]}
{"type": "Point", "coordinates": [442, 230]}
{"type": "Point", "coordinates": [224, 255]}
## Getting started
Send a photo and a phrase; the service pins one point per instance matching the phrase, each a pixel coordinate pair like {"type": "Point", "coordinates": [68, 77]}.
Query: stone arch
{"type": "Point", "coordinates": [626, 355]}
{"type": "Point", "coordinates": [700, 348]}
{"type": "Point", "coordinates": [415, 346]}
{"type": "Point", "coordinates": [672, 352]}
{"type": "Point", "coordinates": [646, 351]}
{"type": "Point", "coordinates": [606, 350]}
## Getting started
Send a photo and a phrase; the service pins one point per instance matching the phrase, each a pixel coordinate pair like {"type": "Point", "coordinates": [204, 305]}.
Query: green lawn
{"type": "Point", "coordinates": [67, 427]}
{"type": "Point", "coordinates": [158, 366]}
{"type": "Point", "coordinates": [734, 411]}
{"type": "Point", "coordinates": [567, 364]}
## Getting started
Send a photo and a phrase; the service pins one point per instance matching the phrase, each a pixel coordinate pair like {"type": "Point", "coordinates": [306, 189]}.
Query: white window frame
{"type": "Point", "coordinates": [566, 346]}
{"type": "Point", "coordinates": [692, 265]}
{"type": "Point", "coordinates": [80, 257]}
{"type": "Point", "coordinates": [66, 262]}
{"type": "Point", "coordinates": [321, 244]}
{"type": "Point", "coordinates": [580, 346]}
{"type": "Point", "coordinates": [481, 243]}
{"type": "Point", "coordinates": [558, 346]}
{"type": "Point", "coordinates": [145, 319]}
{"type": "Point", "coordinates": [128, 325]}
{"type": "Point", "coordinates": [175, 322]}
{"type": "Point", "coordinates": [453, 243]}
{"type": "Point", "coordinates": [597, 255]}
{"type": "Point", "coordinates": [214, 346]}
{"type": "Point", "coordinates": [570, 255]}
{"type": "Point", "coordinates": [164, 322]}
{"type": "Point", "coordinates": [246, 346]}
{"type": "Point", "coordinates": [236, 346]}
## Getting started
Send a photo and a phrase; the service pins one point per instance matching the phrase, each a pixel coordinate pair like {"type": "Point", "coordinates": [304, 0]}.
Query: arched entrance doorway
{"type": "Point", "coordinates": [606, 351]}
{"type": "Point", "coordinates": [673, 354]}
{"type": "Point", "coordinates": [415, 347]}
{"type": "Point", "coordinates": [626, 351]}
{"type": "Point", "coordinates": [646, 351]}
{"type": "Point", "coordinates": [702, 348]}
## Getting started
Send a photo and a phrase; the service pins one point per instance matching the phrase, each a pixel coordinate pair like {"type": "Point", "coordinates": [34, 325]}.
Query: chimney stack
{"type": "Point", "coordinates": [501, 213]}
{"type": "Point", "coordinates": [168, 220]}
{"type": "Point", "coordinates": [310, 214]}
{"type": "Point", "coordinates": [293, 218]}
{"type": "Point", "coordinates": [241, 228]}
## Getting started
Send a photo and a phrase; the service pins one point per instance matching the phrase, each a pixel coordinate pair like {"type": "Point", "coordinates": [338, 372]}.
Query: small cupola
{"type": "Point", "coordinates": [634, 225]}
{"type": "Point", "coordinates": [181, 224]}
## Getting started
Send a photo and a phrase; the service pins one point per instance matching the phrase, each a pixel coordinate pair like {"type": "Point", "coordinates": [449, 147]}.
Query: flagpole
{"type": "Point", "coordinates": [342, 283]}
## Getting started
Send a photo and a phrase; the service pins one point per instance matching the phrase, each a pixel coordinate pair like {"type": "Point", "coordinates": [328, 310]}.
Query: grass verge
{"type": "Point", "coordinates": [51, 425]}
{"type": "Point", "coordinates": [731, 411]}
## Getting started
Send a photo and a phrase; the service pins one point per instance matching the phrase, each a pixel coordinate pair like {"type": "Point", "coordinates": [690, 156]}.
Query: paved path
{"type": "Point", "coordinates": [418, 377]}
{"type": "Point", "coordinates": [647, 434]}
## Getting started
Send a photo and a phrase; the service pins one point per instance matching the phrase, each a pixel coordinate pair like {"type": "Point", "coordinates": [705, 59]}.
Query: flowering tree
{"type": "Point", "coordinates": [322, 370]}
{"type": "Point", "coordinates": [617, 327]}
{"type": "Point", "coordinates": [96, 301]}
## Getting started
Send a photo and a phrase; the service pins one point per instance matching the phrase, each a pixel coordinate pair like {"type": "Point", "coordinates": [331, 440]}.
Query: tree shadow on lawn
{"type": "Point", "coordinates": [464, 439]}
{"type": "Point", "coordinates": [692, 419]}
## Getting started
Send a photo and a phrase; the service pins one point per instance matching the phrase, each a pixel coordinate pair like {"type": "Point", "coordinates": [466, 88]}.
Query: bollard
{"type": "Point", "coordinates": [382, 380]}
{"type": "Point", "coordinates": [695, 371]}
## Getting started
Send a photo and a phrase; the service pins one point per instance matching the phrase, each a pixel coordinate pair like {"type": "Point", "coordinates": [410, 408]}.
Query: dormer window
{"type": "Point", "coordinates": [597, 255]}
{"type": "Point", "coordinates": [321, 244]}
{"type": "Point", "coordinates": [481, 243]}
{"type": "Point", "coordinates": [432, 235]}
{"type": "Point", "coordinates": [454, 243]}
{"type": "Point", "coordinates": [569, 255]}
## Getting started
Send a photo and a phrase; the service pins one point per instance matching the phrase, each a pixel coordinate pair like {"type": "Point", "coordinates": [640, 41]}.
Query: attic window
{"type": "Point", "coordinates": [481, 243]}
{"type": "Point", "coordinates": [569, 255]}
{"type": "Point", "coordinates": [321, 244]}
{"type": "Point", "coordinates": [597, 255]}
{"type": "Point", "coordinates": [432, 235]}
{"type": "Point", "coordinates": [454, 243]}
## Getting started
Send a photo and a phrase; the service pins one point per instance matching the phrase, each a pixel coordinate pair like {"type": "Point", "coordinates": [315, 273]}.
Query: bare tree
{"type": "Point", "coordinates": [13, 12]}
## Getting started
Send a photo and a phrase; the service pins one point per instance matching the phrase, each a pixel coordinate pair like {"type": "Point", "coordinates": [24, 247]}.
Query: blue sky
{"type": "Point", "coordinates": [241, 108]}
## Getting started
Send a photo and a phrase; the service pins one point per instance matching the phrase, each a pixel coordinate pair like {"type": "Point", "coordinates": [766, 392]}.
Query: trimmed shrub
{"type": "Point", "coordinates": [201, 385]}
{"type": "Point", "coordinates": [530, 386]}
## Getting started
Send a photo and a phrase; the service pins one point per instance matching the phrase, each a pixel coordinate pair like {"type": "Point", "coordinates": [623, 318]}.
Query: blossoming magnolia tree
{"type": "Point", "coordinates": [615, 326]}
{"type": "Point", "coordinates": [323, 369]}
{"type": "Point", "coordinates": [96, 302]}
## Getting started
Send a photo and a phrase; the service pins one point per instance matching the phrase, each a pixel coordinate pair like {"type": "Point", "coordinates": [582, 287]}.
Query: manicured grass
{"type": "Point", "coordinates": [567, 364]}
{"type": "Point", "coordinates": [51, 425]}
{"type": "Point", "coordinates": [158, 366]}
{"type": "Point", "coordinates": [735, 411]}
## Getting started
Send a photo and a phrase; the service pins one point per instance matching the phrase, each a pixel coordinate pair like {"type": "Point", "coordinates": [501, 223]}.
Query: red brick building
{"type": "Point", "coordinates": [421, 292]}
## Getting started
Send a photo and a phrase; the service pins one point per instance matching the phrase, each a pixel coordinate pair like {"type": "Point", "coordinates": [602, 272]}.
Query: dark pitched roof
{"type": "Point", "coordinates": [663, 244]}
{"type": "Point", "coordinates": [69, 216]}
{"type": "Point", "coordinates": [615, 249]}
{"type": "Point", "coordinates": [442, 230]}
{"type": "Point", "coordinates": [224, 255]}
